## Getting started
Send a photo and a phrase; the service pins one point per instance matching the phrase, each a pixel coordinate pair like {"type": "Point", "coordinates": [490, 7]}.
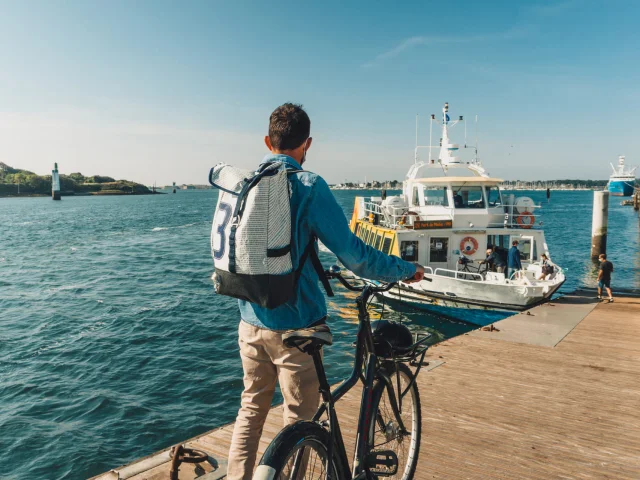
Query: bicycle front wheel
{"type": "Point", "coordinates": [299, 452]}
{"type": "Point", "coordinates": [386, 433]}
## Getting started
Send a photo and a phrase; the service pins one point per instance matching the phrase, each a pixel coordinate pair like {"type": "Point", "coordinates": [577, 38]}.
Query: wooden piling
{"type": "Point", "coordinates": [599, 223]}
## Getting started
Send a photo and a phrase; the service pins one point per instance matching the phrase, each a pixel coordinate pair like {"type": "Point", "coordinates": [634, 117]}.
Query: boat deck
{"type": "Point", "coordinates": [552, 394]}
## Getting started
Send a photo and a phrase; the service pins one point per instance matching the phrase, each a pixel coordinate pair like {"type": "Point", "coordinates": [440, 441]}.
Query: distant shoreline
{"type": "Point", "coordinates": [87, 194]}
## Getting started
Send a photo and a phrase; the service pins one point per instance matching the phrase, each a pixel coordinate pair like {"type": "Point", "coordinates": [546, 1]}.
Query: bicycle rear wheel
{"type": "Point", "coordinates": [385, 430]}
{"type": "Point", "coordinates": [304, 445]}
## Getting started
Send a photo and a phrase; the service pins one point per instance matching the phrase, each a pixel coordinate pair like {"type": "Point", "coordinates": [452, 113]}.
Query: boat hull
{"type": "Point", "coordinates": [620, 188]}
{"type": "Point", "coordinates": [481, 309]}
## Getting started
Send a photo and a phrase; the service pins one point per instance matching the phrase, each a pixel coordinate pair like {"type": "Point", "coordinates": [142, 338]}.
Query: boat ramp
{"type": "Point", "coordinates": [551, 393]}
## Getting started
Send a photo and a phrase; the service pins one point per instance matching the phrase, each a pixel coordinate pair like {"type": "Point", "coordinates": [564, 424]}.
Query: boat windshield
{"type": "Point", "coordinates": [468, 196]}
{"type": "Point", "coordinates": [493, 197]}
{"type": "Point", "coordinates": [436, 196]}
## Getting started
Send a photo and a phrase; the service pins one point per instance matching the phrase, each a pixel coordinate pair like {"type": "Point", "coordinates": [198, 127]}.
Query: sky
{"type": "Point", "coordinates": [160, 91]}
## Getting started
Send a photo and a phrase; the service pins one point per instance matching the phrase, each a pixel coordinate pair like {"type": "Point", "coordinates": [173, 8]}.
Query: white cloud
{"type": "Point", "coordinates": [416, 41]}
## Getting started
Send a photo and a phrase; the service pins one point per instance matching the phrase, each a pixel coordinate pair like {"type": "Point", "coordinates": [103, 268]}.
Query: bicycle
{"type": "Point", "coordinates": [315, 449]}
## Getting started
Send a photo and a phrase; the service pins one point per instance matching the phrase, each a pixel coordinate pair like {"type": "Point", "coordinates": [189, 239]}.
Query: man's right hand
{"type": "Point", "coordinates": [418, 276]}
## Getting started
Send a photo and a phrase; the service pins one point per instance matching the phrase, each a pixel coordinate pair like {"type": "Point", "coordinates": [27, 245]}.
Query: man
{"type": "Point", "coordinates": [513, 259]}
{"type": "Point", "coordinates": [494, 260]}
{"type": "Point", "coordinates": [604, 276]}
{"type": "Point", "coordinates": [265, 359]}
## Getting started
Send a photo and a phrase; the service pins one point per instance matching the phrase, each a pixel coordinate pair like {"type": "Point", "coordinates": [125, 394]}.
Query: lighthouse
{"type": "Point", "coordinates": [55, 183]}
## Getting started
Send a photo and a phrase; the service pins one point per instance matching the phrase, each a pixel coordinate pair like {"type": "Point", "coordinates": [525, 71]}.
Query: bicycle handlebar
{"type": "Point", "coordinates": [334, 273]}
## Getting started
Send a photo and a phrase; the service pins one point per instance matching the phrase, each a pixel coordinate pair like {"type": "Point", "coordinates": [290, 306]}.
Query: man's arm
{"type": "Point", "coordinates": [329, 224]}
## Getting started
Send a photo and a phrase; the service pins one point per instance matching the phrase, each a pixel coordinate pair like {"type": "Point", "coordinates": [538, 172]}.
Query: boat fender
{"type": "Point", "coordinates": [526, 220]}
{"type": "Point", "coordinates": [469, 245]}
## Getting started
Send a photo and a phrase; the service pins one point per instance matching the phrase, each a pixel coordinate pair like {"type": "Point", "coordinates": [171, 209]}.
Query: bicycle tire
{"type": "Point", "coordinates": [407, 457]}
{"type": "Point", "coordinates": [281, 452]}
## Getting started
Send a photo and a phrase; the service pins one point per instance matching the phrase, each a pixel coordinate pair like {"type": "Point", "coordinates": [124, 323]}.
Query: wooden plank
{"type": "Point", "coordinates": [505, 410]}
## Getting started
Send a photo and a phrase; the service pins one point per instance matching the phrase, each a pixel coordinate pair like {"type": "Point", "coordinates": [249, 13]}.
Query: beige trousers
{"type": "Point", "coordinates": [265, 361]}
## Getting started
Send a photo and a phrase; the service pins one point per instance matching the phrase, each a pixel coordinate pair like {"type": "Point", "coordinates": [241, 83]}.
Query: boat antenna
{"type": "Point", "coordinates": [465, 134]}
{"type": "Point", "coordinates": [431, 135]}
{"type": "Point", "coordinates": [476, 138]}
{"type": "Point", "coordinates": [415, 157]}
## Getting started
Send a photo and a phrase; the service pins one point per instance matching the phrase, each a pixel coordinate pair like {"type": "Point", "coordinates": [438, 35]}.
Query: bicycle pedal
{"type": "Point", "coordinates": [382, 462]}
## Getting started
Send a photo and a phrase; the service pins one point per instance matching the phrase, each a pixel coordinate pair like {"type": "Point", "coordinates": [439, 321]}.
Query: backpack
{"type": "Point", "coordinates": [251, 235]}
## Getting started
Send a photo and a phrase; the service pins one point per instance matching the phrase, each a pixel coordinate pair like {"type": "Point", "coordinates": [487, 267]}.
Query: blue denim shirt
{"type": "Point", "coordinates": [514, 258]}
{"type": "Point", "coordinates": [315, 211]}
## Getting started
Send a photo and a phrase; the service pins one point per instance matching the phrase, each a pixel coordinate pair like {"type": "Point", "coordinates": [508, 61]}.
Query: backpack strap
{"type": "Point", "coordinates": [310, 252]}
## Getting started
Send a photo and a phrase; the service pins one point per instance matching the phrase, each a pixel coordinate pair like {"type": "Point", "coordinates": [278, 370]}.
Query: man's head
{"type": "Point", "coordinates": [489, 251]}
{"type": "Point", "coordinates": [514, 243]}
{"type": "Point", "coordinates": [602, 257]}
{"type": "Point", "coordinates": [289, 129]}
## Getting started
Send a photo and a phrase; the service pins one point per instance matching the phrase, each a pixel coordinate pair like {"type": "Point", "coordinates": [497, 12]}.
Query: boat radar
{"type": "Point", "coordinates": [448, 151]}
{"type": "Point", "coordinates": [55, 183]}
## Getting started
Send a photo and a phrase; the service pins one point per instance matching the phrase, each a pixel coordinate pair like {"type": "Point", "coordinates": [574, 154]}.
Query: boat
{"type": "Point", "coordinates": [449, 213]}
{"type": "Point", "coordinates": [622, 181]}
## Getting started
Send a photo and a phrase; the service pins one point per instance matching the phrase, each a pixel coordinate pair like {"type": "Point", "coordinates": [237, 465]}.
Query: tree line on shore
{"type": "Point", "coordinates": [14, 180]}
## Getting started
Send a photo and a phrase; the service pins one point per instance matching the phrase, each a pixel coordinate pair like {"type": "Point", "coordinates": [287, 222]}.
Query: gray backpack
{"type": "Point", "coordinates": [251, 235]}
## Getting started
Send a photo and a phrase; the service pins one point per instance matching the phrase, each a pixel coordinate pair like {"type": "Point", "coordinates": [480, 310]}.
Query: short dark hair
{"type": "Point", "coordinates": [603, 255]}
{"type": "Point", "coordinates": [514, 243]}
{"type": "Point", "coordinates": [289, 126]}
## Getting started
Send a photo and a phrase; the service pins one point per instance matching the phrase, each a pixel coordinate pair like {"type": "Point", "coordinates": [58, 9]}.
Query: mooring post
{"type": "Point", "coordinates": [636, 200]}
{"type": "Point", "coordinates": [599, 224]}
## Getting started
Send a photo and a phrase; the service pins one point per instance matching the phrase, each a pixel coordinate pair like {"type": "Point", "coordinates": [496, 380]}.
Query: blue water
{"type": "Point", "coordinates": [112, 344]}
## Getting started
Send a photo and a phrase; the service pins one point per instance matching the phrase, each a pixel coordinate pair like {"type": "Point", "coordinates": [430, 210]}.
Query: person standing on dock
{"type": "Point", "coordinates": [265, 359]}
{"type": "Point", "coordinates": [513, 259]}
{"type": "Point", "coordinates": [604, 276]}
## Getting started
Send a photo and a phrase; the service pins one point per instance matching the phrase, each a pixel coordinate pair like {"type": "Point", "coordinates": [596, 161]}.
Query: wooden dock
{"type": "Point", "coordinates": [553, 394]}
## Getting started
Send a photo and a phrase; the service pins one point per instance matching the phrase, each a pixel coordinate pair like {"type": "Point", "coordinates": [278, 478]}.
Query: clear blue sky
{"type": "Point", "coordinates": [160, 90]}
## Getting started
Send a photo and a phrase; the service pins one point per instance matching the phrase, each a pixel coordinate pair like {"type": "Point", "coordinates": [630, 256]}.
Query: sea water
{"type": "Point", "coordinates": [113, 345]}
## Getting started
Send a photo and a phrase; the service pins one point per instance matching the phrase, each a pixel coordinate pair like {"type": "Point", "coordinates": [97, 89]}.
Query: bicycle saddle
{"type": "Point", "coordinates": [317, 336]}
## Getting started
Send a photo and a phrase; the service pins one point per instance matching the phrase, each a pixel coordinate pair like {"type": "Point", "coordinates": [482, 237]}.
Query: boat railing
{"type": "Point", "coordinates": [390, 217]}
{"type": "Point", "coordinates": [516, 216]}
{"type": "Point", "coordinates": [395, 217]}
{"type": "Point", "coordinates": [445, 272]}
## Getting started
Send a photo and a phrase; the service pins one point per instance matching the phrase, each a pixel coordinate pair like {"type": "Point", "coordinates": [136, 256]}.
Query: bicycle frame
{"type": "Point", "coordinates": [365, 356]}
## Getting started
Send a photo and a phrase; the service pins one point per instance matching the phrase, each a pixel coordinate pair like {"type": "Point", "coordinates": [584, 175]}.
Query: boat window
{"type": "Point", "coordinates": [409, 251]}
{"type": "Point", "coordinates": [436, 196]}
{"type": "Point", "coordinates": [378, 240]}
{"type": "Point", "coordinates": [468, 197]}
{"type": "Point", "coordinates": [493, 197]}
{"type": "Point", "coordinates": [415, 201]}
{"type": "Point", "coordinates": [438, 249]}
{"type": "Point", "coordinates": [386, 245]}
{"type": "Point", "coordinates": [524, 246]}
{"type": "Point", "coordinates": [501, 241]}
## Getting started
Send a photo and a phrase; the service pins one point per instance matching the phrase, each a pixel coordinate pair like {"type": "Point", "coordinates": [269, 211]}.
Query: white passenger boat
{"type": "Point", "coordinates": [449, 213]}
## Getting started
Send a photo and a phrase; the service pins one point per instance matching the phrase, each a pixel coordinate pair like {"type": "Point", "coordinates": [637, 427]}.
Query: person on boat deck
{"type": "Point", "coordinates": [548, 267]}
{"type": "Point", "coordinates": [494, 260]}
{"type": "Point", "coordinates": [604, 276]}
{"type": "Point", "coordinates": [265, 358]}
{"type": "Point", "coordinates": [513, 259]}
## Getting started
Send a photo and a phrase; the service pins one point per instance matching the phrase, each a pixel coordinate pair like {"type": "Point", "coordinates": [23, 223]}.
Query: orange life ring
{"type": "Point", "coordinates": [520, 219]}
{"type": "Point", "coordinates": [467, 249]}
{"type": "Point", "coordinates": [403, 220]}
